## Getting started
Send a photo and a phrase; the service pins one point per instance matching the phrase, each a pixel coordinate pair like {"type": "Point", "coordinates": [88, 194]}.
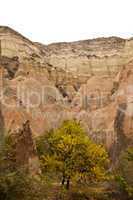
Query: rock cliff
{"type": "Point", "coordinates": [89, 80]}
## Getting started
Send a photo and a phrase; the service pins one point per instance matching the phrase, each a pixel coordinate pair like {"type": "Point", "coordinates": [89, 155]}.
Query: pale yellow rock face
{"type": "Point", "coordinates": [94, 57]}
{"type": "Point", "coordinates": [14, 44]}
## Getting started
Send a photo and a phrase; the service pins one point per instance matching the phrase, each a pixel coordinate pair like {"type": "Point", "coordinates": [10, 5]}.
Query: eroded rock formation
{"type": "Point", "coordinates": [89, 80]}
{"type": "Point", "coordinates": [24, 149]}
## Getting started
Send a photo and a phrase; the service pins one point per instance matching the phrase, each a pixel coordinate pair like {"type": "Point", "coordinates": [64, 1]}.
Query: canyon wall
{"type": "Point", "coordinates": [91, 81]}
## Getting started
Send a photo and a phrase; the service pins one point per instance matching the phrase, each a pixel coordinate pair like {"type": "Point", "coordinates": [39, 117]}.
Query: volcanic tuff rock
{"type": "Point", "coordinates": [89, 80]}
{"type": "Point", "coordinates": [23, 150]}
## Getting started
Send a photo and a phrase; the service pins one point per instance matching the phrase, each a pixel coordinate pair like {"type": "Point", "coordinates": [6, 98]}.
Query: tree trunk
{"type": "Point", "coordinates": [63, 180]}
{"type": "Point", "coordinates": [68, 183]}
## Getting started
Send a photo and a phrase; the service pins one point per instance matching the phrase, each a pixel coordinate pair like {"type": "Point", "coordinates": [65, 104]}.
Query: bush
{"type": "Point", "coordinates": [18, 184]}
{"type": "Point", "coordinates": [124, 177]}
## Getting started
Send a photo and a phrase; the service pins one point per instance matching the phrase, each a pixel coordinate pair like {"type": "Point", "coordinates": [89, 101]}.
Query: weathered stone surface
{"type": "Point", "coordinates": [90, 80]}
{"type": "Point", "coordinates": [13, 43]}
{"type": "Point", "coordinates": [24, 149]}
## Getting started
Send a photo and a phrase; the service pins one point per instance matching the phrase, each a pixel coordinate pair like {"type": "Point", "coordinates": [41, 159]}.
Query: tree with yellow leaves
{"type": "Point", "coordinates": [72, 154]}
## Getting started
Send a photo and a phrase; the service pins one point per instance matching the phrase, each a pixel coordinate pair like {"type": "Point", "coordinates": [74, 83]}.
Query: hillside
{"type": "Point", "coordinates": [90, 80]}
